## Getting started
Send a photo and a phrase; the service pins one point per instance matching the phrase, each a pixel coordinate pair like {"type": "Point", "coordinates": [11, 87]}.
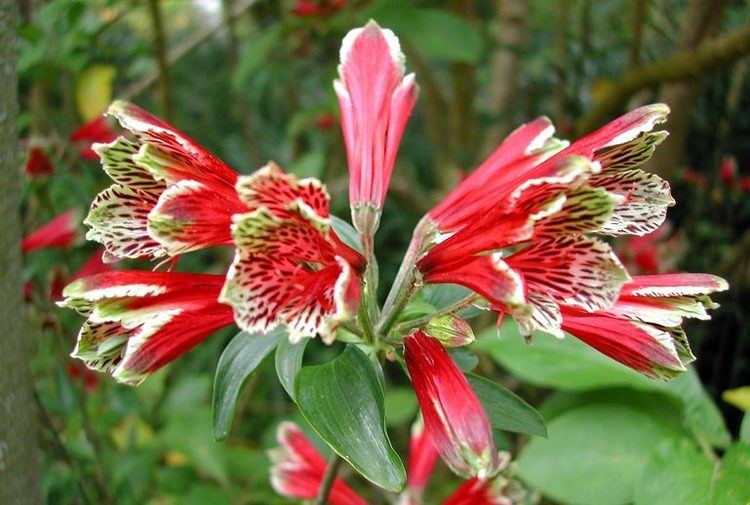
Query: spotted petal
{"type": "Point", "coordinates": [286, 272]}
{"type": "Point", "coordinates": [574, 270]}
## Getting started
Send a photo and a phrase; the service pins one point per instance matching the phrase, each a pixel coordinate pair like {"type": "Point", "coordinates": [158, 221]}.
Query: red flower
{"type": "Point", "coordinates": [289, 267]}
{"type": "Point", "coordinates": [297, 469]}
{"type": "Point", "coordinates": [61, 232]}
{"type": "Point", "coordinates": [480, 492]}
{"type": "Point", "coordinates": [90, 380]}
{"type": "Point", "coordinates": [375, 100]}
{"type": "Point", "coordinates": [140, 321]}
{"type": "Point", "coordinates": [310, 8]}
{"type": "Point", "coordinates": [97, 130]}
{"type": "Point", "coordinates": [422, 458]}
{"type": "Point", "coordinates": [728, 171]}
{"type": "Point", "coordinates": [324, 121]}
{"type": "Point", "coordinates": [306, 8]}
{"type": "Point", "coordinates": [453, 415]}
{"type": "Point", "coordinates": [517, 229]}
{"type": "Point", "coordinates": [170, 195]}
{"type": "Point", "coordinates": [642, 329]}
{"type": "Point", "coordinates": [38, 164]}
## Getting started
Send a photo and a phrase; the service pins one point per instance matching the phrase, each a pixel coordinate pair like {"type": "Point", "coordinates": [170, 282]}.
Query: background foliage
{"type": "Point", "coordinates": [251, 81]}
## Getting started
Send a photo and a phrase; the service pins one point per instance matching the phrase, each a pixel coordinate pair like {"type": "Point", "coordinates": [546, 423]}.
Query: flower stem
{"type": "Point", "coordinates": [404, 284]}
{"type": "Point", "coordinates": [328, 479]}
{"type": "Point", "coordinates": [450, 309]}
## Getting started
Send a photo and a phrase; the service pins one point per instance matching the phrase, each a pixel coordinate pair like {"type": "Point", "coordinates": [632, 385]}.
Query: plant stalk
{"type": "Point", "coordinates": [456, 307]}
{"type": "Point", "coordinates": [328, 479]}
{"type": "Point", "coordinates": [404, 284]}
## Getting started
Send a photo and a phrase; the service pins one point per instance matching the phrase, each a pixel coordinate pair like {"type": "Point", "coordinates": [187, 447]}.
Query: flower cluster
{"type": "Point", "coordinates": [523, 232]}
{"type": "Point", "coordinates": [298, 470]}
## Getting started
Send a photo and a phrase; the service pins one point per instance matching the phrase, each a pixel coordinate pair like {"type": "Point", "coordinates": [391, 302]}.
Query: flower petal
{"type": "Point", "coordinates": [574, 270]}
{"type": "Point", "coordinates": [60, 232]}
{"type": "Point", "coordinates": [285, 272]}
{"type": "Point", "coordinates": [274, 189]}
{"type": "Point", "coordinates": [118, 219]}
{"type": "Point", "coordinates": [375, 100]}
{"type": "Point", "coordinates": [452, 413]}
{"type": "Point", "coordinates": [169, 154]}
{"type": "Point", "coordinates": [190, 216]}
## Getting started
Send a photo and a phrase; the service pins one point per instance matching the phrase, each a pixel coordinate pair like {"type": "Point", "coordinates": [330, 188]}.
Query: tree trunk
{"type": "Point", "coordinates": [511, 20]}
{"type": "Point", "coordinates": [701, 22]}
{"type": "Point", "coordinates": [19, 466]}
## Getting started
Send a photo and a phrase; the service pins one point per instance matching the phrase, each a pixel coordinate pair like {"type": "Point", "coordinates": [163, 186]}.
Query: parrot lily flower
{"type": "Point", "coordinates": [453, 415]}
{"type": "Point", "coordinates": [38, 164]}
{"type": "Point", "coordinates": [289, 267]}
{"type": "Point", "coordinates": [60, 232]}
{"type": "Point", "coordinates": [169, 196]}
{"type": "Point", "coordinates": [642, 329]}
{"type": "Point", "coordinates": [297, 469]}
{"type": "Point", "coordinates": [375, 100]}
{"type": "Point", "coordinates": [139, 321]}
{"type": "Point", "coordinates": [422, 458]}
{"type": "Point", "coordinates": [95, 131]}
{"type": "Point", "coordinates": [516, 231]}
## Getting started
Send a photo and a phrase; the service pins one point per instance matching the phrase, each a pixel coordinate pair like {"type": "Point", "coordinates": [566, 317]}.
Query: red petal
{"type": "Point", "coordinates": [452, 412]}
{"type": "Point", "coordinates": [61, 232]}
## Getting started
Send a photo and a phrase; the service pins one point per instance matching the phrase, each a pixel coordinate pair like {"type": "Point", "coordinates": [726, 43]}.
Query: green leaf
{"type": "Point", "coordinates": [400, 406]}
{"type": "Point", "coordinates": [702, 416]}
{"type": "Point", "coordinates": [187, 432]}
{"type": "Point", "coordinates": [310, 164]}
{"type": "Point", "coordinates": [255, 54]}
{"type": "Point", "coordinates": [441, 296]}
{"type": "Point", "coordinates": [676, 472]}
{"type": "Point", "coordinates": [238, 361]}
{"type": "Point", "coordinates": [435, 33]}
{"type": "Point", "coordinates": [731, 482]}
{"type": "Point", "coordinates": [343, 402]}
{"type": "Point", "coordinates": [289, 362]}
{"type": "Point", "coordinates": [745, 428]}
{"type": "Point", "coordinates": [566, 364]}
{"type": "Point", "coordinates": [505, 409]}
{"type": "Point", "coordinates": [464, 358]}
{"type": "Point", "coordinates": [346, 232]}
{"type": "Point", "coordinates": [593, 455]}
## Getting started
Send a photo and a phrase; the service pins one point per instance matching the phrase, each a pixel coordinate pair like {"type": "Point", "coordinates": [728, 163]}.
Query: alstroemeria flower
{"type": "Point", "coordinates": [484, 492]}
{"type": "Point", "coordinates": [38, 164]}
{"type": "Point", "coordinates": [376, 101]}
{"type": "Point", "coordinates": [289, 267]}
{"type": "Point", "coordinates": [422, 458]}
{"type": "Point", "coordinates": [297, 469]}
{"type": "Point", "coordinates": [139, 321]}
{"type": "Point", "coordinates": [170, 195]}
{"type": "Point", "coordinates": [453, 415]}
{"type": "Point", "coordinates": [60, 232]}
{"type": "Point", "coordinates": [642, 329]}
{"type": "Point", "coordinates": [517, 230]}
{"type": "Point", "coordinates": [96, 131]}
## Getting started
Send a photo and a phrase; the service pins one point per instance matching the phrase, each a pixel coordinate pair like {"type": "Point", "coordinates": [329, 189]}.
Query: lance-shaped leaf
{"type": "Point", "coordinates": [506, 410]}
{"type": "Point", "coordinates": [238, 361]}
{"type": "Point", "coordinates": [343, 401]}
{"type": "Point", "coordinates": [289, 362]}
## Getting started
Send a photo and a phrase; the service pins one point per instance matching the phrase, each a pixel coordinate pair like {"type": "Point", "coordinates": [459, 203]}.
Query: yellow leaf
{"type": "Point", "coordinates": [739, 397]}
{"type": "Point", "coordinates": [94, 91]}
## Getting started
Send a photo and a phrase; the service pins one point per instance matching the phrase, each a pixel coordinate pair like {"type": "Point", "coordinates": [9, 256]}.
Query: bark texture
{"type": "Point", "coordinates": [19, 466]}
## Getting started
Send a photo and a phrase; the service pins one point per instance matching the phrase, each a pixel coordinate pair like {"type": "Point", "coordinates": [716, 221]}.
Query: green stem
{"type": "Point", "coordinates": [328, 479]}
{"type": "Point", "coordinates": [405, 282]}
{"type": "Point", "coordinates": [450, 309]}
